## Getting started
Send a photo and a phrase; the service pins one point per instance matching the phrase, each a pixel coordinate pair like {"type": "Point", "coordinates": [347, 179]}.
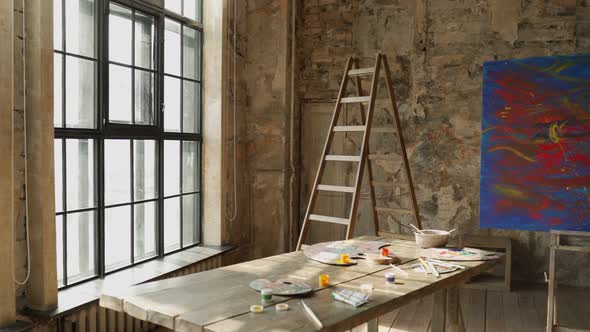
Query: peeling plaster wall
{"type": "Point", "coordinates": [260, 74]}
{"type": "Point", "coordinates": [436, 49]}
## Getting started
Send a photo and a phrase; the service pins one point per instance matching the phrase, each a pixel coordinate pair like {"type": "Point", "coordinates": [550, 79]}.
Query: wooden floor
{"type": "Point", "coordinates": [522, 310]}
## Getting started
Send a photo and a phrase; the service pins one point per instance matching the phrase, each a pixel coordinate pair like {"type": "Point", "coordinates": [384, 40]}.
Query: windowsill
{"type": "Point", "coordinates": [85, 293]}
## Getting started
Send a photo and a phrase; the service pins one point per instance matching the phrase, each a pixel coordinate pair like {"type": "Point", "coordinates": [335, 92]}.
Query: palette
{"type": "Point", "coordinates": [329, 252]}
{"type": "Point", "coordinates": [284, 287]}
{"type": "Point", "coordinates": [459, 254]}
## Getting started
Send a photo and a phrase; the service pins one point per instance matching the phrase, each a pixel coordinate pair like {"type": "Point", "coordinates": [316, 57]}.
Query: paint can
{"type": "Point", "coordinates": [266, 295]}
{"type": "Point", "coordinates": [390, 277]}
{"type": "Point", "coordinates": [344, 258]}
{"type": "Point", "coordinates": [324, 280]}
{"type": "Point", "coordinates": [256, 308]}
{"type": "Point", "coordinates": [384, 252]}
{"type": "Point", "coordinates": [282, 307]}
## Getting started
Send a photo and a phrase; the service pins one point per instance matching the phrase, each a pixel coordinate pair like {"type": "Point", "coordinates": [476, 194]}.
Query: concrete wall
{"type": "Point", "coordinates": [436, 49]}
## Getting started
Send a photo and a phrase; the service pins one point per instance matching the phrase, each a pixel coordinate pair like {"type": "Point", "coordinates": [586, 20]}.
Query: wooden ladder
{"type": "Point", "coordinates": [353, 71]}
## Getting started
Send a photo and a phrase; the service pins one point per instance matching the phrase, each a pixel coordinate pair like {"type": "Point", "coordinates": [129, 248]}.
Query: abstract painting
{"type": "Point", "coordinates": [535, 147]}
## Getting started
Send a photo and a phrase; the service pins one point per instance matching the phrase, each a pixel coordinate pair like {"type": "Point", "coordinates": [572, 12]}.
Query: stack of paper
{"type": "Point", "coordinates": [347, 296]}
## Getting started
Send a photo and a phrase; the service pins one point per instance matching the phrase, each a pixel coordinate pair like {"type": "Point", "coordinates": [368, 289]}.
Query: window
{"type": "Point", "coordinates": [127, 80]}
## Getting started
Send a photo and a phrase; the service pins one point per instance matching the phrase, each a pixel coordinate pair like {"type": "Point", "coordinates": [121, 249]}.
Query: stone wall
{"type": "Point", "coordinates": [436, 49]}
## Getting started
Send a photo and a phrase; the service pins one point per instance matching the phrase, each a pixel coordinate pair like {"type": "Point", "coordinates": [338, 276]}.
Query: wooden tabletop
{"type": "Point", "coordinates": [220, 299]}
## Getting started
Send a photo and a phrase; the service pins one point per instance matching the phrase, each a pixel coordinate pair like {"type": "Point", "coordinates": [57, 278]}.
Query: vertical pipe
{"type": "Point", "coordinates": [42, 286]}
{"type": "Point", "coordinates": [7, 299]}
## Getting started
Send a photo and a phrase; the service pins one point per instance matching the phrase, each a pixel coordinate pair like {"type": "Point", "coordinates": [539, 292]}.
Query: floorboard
{"type": "Point", "coordinates": [522, 310]}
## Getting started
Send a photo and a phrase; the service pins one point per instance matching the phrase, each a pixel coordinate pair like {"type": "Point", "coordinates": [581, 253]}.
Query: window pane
{"type": "Point", "coordinates": [80, 246]}
{"type": "Point", "coordinates": [80, 27]}
{"type": "Point", "coordinates": [171, 224]}
{"type": "Point", "coordinates": [171, 168]}
{"type": "Point", "coordinates": [171, 104]}
{"type": "Point", "coordinates": [80, 174]}
{"type": "Point", "coordinates": [119, 94]}
{"type": "Point", "coordinates": [191, 47]}
{"type": "Point", "coordinates": [190, 219]}
{"type": "Point", "coordinates": [80, 93]}
{"type": "Point", "coordinates": [58, 163]}
{"type": "Point", "coordinates": [117, 232]}
{"type": "Point", "coordinates": [117, 171]}
{"type": "Point", "coordinates": [192, 9]}
{"type": "Point", "coordinates": [191, 103]}
{"type": "Point", "coordinates": [144, 40]}
{"type": "Point", "coordinates": [172, 48]}
{"type": "Point", "coordinates": [190, 166]}
{"type": "Point", "coordinates": [57, 90]}
{"type": "Point", "coordinates": [145, 230]}
{"type": "Point", "coordinates": [59, 241]}
{"type": "Point", "coordinates": [120, 34]}
{"type": "Point", "coordinates": [174, 5]}
{"type": "Point", "coordinates": [144, 169]}
{"type": "Point", "coordinates": [57, 25]}
{"type": "Point", "coordinates": [144, 97]}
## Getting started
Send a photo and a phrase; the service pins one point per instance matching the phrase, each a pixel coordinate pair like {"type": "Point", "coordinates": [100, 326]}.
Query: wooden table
{"type": "Point", "coordinates": [219, 300]}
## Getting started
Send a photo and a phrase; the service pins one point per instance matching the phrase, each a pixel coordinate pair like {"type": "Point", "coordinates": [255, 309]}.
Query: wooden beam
{"type": "Point", "coordinates": [42, 285]}
{"type": "Point", "coordinates": [7, 299]}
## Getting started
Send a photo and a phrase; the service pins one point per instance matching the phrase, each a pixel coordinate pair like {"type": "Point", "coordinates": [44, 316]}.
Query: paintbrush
{"type": "Point", "coordinates": [433, 269]}
{"type": "Point", "coordinates": [446, 264]}
{"type": "Point", "coordinates": [424, 265]}
{"type": "Point", "coordinates": [417, 229]}
{"type": "Point", "coordinates": [312, 315]}
{"type": "Point", "coordinates": [397, 269]}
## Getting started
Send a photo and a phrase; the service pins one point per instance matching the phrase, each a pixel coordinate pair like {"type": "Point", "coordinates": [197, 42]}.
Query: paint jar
{"type": "Point", "coordinates": [266, 295]}
{"type": "Point", "coordinates": [282, 307]}
{"type": "Point", "coordinates": [367, 288]}
{"type": "Point", "coordinates": [390, 277]}
{"type": "Point", "coordinates": [344, 258]}
{"type": "Point", "coordinates": [324, 280]}
{"type": "Point", "coordinates": [256, 308]}
{"type": "Point", "coordinates": [384, 252]}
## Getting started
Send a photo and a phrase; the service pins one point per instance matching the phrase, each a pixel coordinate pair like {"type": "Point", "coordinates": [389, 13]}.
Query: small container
{"type": "Point", "coordinates": [384, 252]}
{"type": "Point", "coordinates": [266, 295]}
{"type": "Point", "coordinates": [390, 277]}
{"type": "Point", "coordinates": [324, 280]}
{"type": "Point", "coordinates": [256, 308]}
{"type": "Point", "coordinates": [282, 307]}
{"type": "Point", "coordinates": [344, 258]}
{"type": "Point", "coordinates": [367, 288]}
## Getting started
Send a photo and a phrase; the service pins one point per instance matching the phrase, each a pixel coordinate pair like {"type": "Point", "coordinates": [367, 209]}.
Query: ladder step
{"type": "Point", "coordinates": [334, 220]}
{"type": "Point", "coordinates": [349, 128]}
{"type": "Point", "coordinates": [341, 189]}
{"type": "Point", "coordinates": [383, 157]}
{"type": "Point", "coordinates": [394, 210]}
{"type": "Point", "coordinates": [361, 72]}
{"type": "Point", "coordinates": [349, 100]}
{"type": "Point", "coordinates": [383, 130]}
{"type": "Point", "coordinates": [335, 157]}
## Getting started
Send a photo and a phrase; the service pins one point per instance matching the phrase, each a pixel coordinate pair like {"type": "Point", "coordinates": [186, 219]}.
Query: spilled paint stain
{"type": "Point", "coordinates": [535, 147]}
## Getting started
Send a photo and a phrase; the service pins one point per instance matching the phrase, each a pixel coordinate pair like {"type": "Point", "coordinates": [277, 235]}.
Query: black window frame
{"type": "Point", "coordinates": [129, 132]}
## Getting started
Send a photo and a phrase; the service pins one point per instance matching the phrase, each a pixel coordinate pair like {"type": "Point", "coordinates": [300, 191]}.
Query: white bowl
{"type": "Point", "coordinates": [432, 238]}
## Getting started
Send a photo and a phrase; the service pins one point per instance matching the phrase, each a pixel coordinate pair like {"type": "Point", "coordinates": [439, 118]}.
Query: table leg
{"type": "Point", "coordinates": [439, 311]}
{"type": "Point", "coordinates": [454, 310]}
{"type": "Point", "coordinates": [373, 325]}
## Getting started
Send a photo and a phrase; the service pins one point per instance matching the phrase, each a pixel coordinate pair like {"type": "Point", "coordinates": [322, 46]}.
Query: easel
{"type": "Point", "coordinates": [564, 241]}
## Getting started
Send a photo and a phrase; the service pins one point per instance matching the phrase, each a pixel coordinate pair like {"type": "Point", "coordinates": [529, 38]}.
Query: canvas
{"type": "Point", "coordinates": [535, 147]}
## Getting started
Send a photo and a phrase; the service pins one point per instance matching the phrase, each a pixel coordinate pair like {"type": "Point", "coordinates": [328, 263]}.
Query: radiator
{"type": "Point", "coordinates": [93, 318]}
